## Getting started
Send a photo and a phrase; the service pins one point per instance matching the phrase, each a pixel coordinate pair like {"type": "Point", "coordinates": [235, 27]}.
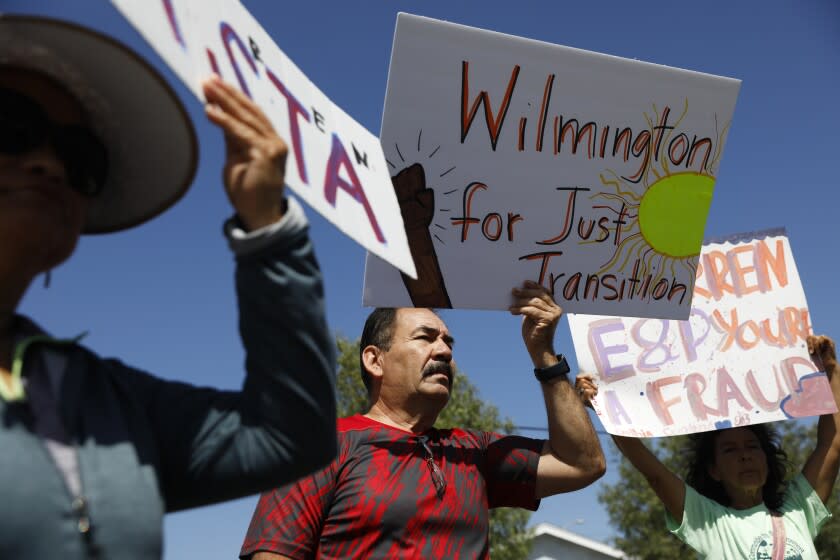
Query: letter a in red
{"type": "Point", "coordinates": [333, 181]}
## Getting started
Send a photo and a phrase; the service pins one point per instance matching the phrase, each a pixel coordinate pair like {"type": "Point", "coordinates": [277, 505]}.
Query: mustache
{"type": "Point", "coordinates": [438, 367]}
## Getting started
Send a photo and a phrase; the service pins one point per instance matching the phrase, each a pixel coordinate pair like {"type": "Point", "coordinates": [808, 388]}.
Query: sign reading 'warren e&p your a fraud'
{"type": "Point", "coordinates": [741, 357]}
{"type": "Point", "coordinates": [515, 159]}
{"type": "Point", "coordinates": [334, 164]}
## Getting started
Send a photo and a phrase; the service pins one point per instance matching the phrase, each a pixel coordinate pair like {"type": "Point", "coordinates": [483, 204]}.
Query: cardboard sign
{"type": "Point", "coordinates": [515, 159]}
{"type": "Point", "coordinates": [741, 358]}
{"type": "Point", "coordinates": [335, 165]}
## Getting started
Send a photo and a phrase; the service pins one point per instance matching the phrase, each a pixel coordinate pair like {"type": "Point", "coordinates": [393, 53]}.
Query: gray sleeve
{"type": "Point", "coordinates": [244, 243]}
{"type": "Point", "coordinates": [219, 445]}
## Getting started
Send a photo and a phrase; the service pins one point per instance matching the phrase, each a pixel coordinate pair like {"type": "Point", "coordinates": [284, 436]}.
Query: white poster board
{"type": "Point", "coordinates": [516, 159]}
{"type": "Point", "coordinates": [741, 358]}
{"type": "Point", "coordinates": [334, 164]}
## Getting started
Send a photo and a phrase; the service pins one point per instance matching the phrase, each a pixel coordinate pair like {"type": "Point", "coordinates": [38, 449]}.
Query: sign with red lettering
{"type": "Point", "coordinates": [335, 164]}
{"type": "Point", "coordinates": [740, 358]}
{"type": "Point", "coordinates": [516, 159]}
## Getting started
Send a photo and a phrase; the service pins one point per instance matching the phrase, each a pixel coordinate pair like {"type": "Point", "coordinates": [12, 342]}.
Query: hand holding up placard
{"type": "Point", "coordinates": [255, 163]}
{"type": "Point", "coordinates": [336, 165]}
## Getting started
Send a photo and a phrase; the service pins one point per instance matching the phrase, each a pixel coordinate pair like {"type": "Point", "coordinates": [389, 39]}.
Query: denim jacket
{"type": "Point", "coordinates": [147, 446]}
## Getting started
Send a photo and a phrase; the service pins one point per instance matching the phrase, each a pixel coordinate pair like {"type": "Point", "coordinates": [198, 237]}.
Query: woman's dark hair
{"type": "Point", "coordinates": [702, 454]}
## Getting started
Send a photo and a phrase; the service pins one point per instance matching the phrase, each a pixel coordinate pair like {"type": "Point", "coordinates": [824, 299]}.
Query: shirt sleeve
{"type": "Point", "coordinates": [801, 496]}
{"type": "Point", "coordinates": [698, 521]}
{"type": "Point", "coordinates": [217, 445]}
{"type": "Point", "coordinates": [510, 470]}
{"type": "Point", "coordinates": [289, 520]}
{"type": "Point", "coordinates": [244, 242]}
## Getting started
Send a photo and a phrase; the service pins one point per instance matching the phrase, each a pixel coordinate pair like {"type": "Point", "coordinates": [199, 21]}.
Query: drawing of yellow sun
{"type": "Point", "coordinates": [665, 211]}
{"type": "Point", "coordinates": [672, 213]}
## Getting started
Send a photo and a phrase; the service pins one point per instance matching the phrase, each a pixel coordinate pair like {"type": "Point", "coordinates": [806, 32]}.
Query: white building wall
{"type": "Point", "coordinates": [550, 548]}
{"type": "Point", "coordinates": [553, 543]}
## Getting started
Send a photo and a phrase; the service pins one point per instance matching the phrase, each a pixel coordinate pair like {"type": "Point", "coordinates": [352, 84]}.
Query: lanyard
{"type": "Point", "coordinates": [13, 390]}
{"type": "Point", "coordinates": [779, 537]}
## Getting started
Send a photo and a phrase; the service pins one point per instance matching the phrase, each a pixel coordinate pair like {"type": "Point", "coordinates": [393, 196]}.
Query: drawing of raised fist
{"type": "Point", "coordinates": [417, 206]}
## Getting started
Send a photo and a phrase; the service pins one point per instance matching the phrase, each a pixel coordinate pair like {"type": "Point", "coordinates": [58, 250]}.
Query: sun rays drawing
{"type": "Point", "coordinates": [415, 158]}
{"type": "Point", "coordinates": [665, 211]}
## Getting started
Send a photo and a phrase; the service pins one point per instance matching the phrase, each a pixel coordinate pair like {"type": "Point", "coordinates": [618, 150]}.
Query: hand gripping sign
{"type": "Point", "coordinates": [336, 165]}
{"type": "Point", "coordinates": [740, 358]}
{"type": "Point", "coordinates": [517, 160]}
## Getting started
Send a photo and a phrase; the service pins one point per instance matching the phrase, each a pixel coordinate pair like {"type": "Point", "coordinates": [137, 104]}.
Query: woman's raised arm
{"type": "Point", "coordinates": [668, 486]}
{"type": "Point", "coordinates": [821, 467]}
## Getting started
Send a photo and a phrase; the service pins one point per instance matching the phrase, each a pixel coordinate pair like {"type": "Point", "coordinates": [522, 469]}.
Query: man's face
{"type": "Point", "coordinates": [36, 202]}
{"type": "Point", "coordinates": [419, 361]}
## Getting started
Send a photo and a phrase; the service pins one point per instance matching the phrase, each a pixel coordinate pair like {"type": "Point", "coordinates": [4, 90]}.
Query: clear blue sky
{"type": "Point", "coordinates": [160, 297]}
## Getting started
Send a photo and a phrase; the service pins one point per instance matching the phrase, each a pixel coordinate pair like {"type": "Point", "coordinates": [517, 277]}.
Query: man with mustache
{"type": "Point", "coordinates": [401, 488]}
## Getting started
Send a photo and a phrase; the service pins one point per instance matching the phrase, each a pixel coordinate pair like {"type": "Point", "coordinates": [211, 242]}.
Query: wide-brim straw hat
{"type": "Point", "coordinates": [151, 143]}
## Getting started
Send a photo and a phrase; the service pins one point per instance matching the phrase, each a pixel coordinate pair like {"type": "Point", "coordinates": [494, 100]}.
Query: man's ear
{"type": "Point", "coordinates": [372, 358]}
{"type": "Point", "coordinates": [713, 471]}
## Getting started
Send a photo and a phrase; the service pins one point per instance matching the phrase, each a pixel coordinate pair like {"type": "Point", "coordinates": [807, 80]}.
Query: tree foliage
{"type": "Point", "coordinates": [639, 516]}
{"type": "Point", "coordinates": [798, 440]}
{"type": "Point", "coordinates": [509, 537]}
{"type": "Point", "coordinates": [635, 510]}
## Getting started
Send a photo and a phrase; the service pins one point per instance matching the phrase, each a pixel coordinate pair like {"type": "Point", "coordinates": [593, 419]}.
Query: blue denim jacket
{"type": "Point", "coordinates": [147, 446]}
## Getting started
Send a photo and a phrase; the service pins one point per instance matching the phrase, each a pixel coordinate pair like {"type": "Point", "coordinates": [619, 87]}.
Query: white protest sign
{"type": "Point", "coordinates": [516, 159]}
{"type": "Point", "coordinates": [741, 357]}
{"type": "Point", "coordinates": [335, 164]}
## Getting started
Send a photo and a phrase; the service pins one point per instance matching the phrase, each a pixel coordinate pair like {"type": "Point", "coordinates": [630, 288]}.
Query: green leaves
{"type": "Point", "coordinates": [635, 510]}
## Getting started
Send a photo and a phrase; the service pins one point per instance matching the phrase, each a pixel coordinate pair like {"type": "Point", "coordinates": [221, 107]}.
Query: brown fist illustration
{"type": "Point", "coordinates": [417, 206]}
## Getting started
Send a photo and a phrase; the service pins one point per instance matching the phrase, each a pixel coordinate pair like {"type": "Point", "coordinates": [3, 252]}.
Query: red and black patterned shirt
{"type": "Point", "coordinates": [379, 499]}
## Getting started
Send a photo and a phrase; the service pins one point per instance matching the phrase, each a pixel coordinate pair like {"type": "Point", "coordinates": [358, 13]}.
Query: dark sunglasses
{"type": "Point", "coordinates": [434, 470]}
{"type": "Point", "coordinates": [24, 126]}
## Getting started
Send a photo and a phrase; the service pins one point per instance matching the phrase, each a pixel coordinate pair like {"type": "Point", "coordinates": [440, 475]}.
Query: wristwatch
{"type": "Point", "coordinates": [551, 372]}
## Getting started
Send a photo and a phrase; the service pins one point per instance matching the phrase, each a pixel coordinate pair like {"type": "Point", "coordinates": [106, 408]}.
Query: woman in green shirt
{"type": "Point", "coordinates": [734, 502]}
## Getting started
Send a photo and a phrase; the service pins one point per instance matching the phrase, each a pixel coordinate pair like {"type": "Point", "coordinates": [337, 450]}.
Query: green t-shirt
{"type": "Point", "coordinates": [719, 532]}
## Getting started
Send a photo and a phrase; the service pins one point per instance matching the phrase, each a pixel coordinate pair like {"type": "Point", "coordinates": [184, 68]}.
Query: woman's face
{"type": "Point", "coordinates": [39, 212]}
{"type": "Point", "coordinates": [740, 463]}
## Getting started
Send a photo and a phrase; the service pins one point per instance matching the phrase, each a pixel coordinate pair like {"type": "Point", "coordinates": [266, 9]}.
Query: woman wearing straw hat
{"type": "Point", "coordinates": [93, 452]}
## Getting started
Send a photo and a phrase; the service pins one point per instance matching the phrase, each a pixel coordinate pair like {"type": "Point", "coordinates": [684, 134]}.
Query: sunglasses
{"type": "Point", "coordinates": [25, 126]}
{"type": "Point", "coordinates": [437, 475]}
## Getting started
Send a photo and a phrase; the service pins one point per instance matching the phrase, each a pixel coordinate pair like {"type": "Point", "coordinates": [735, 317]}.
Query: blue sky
{"type": "Point", "coordinates": [160, 297]}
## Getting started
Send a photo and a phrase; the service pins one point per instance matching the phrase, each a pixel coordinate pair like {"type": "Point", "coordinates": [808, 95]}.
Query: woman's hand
{"type": "Point", "coordinates": [586, 388]}
{"type": "Point", "coordinates": [823, 464]}
{"type": "Point", "coordinates": [255, 164]}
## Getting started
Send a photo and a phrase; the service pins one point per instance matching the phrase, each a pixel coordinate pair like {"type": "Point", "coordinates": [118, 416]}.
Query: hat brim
{"type": "Point", "coordinates": [153, 153]}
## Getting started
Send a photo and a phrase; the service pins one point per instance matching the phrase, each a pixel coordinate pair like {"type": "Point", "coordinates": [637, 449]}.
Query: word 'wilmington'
{"type": "Point", "coordinates": [597, 141]}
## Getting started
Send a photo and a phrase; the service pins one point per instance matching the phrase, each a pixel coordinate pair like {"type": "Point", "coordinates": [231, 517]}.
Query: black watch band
{"type": "Point", "coordinates": [552, 372]}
